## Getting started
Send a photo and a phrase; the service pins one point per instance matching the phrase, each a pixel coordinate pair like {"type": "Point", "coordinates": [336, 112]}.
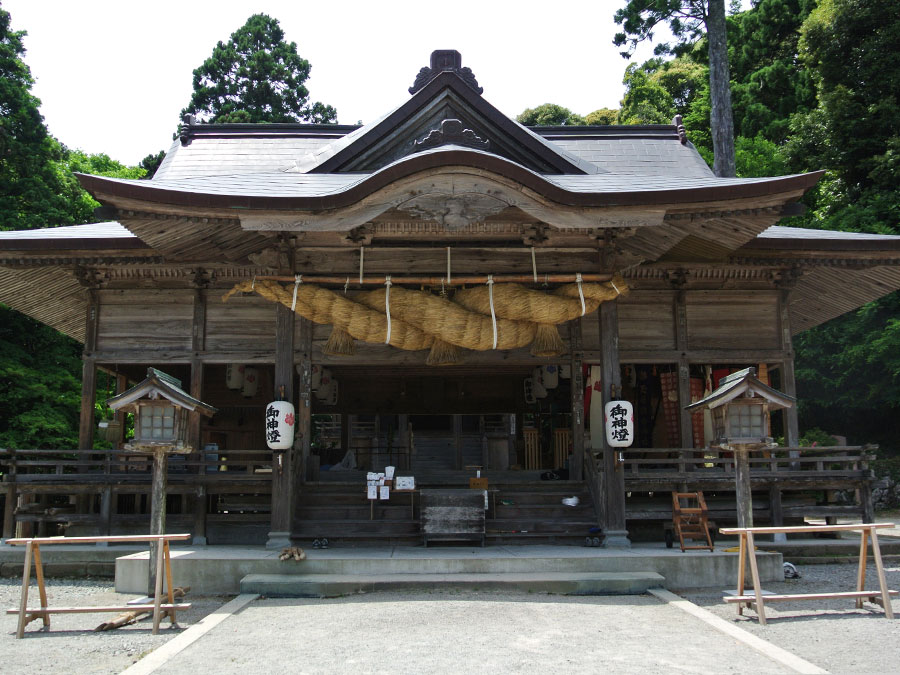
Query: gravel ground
{"type": "Point", "coordinates": [467, 631]}
{"type": "Point", "coordinates": [832, 634]}
{"type": "Point", "coordinates": [71, 646]}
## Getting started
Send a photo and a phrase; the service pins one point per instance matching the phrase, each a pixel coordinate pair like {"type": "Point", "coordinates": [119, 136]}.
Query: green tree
{"type": "Point", "coordinates": [688, 20]}
{"type": "Point", "coordinates": [81, 204]}
{"type": "Point", "coordinates": [40, 384]}
{"type": "Point", "coordinates": [33, 193]}
{"type": "Point", "coordinates": [549, 114]}
{"type": "Point", "coordinates": [768, 84]}
{"type": "Point", "coordinates": [151, 163]}
{"type": "Point", "coordinates": [849, 369]}
{"type": "Point", "coordinates": [256, 77]}
{"type": "Point", "coordinates": [600, 116]}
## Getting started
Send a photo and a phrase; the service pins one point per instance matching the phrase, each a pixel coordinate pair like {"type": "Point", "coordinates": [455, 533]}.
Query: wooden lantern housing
{"type": "Point", "coordinates": [740, 408]}
{"type": "Point", "coordinates": [161, 410]}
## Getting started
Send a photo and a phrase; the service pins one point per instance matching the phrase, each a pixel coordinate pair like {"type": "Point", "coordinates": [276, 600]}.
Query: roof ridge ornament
{"type": "Point", "coordinates": [445, 60]}
{"type": "Point", "coordinates": [452, 131]}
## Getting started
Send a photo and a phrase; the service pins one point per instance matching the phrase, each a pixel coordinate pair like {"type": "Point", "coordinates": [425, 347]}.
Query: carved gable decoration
{"type": "Point", "coordinates": [452, 132]}
{"type": "Point", "coordinates": [445, 60]}
{"type": "Point", "coordinates": [454, 211]}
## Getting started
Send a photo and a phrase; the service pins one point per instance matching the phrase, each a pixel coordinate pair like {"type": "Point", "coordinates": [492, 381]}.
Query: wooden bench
{"type": "Point", "coordinates": [33, 552]}
{"type": "Point", "coordinates": [757, 600]}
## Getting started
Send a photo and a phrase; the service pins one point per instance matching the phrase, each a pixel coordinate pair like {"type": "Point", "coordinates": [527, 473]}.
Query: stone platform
{"type": "Point", "coordinates": [540, 568]}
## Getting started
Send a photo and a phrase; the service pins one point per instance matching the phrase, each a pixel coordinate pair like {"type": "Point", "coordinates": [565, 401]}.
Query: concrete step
{"type": "Point", "coordinates": [563, 583]}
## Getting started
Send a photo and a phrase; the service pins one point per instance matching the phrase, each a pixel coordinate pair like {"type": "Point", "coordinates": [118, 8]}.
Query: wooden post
{"type": "Point", "coordinates": [777, 511]}
{"type": "Point", "coordinates": [789, 381]}
{"type": "Point", "coordinates": [576, 362]}
{"type": "Point", "coordinates": [457, 442]}
{"type": "Point", "coordinates": [613, 469]}
{"type": "Point", "coordinates": [684, 378]}
{"type": "Point", "coordinates": [200, 510]}
{"type": "Point", "coordinates": [300, 451]}
{"type": "Point", "coordinates": [12, 495]}
{"type": "Point", "coordinates": [157, 511]}
{"type": "Point", "coordinates": [742, 485]}
{"type": "Point", "coordinates": [282, 475]}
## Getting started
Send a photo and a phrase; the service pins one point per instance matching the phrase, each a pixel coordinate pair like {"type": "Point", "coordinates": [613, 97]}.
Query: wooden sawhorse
{"type": "Point", "coordinates": [757, 600]}
{"type": "Point", "coordinates": [33, 552]}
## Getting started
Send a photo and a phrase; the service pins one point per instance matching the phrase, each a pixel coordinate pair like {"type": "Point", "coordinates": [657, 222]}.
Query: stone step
{"type": "Point", "coordinates": [563, 583]}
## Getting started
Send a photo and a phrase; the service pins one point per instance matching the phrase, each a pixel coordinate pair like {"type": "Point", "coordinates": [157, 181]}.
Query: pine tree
{"type": "Point", "coordinates": [255, 77]}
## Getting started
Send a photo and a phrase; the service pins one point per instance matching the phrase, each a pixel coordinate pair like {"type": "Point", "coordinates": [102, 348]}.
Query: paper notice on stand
{"type": "Point", "coordinates": [384, 492]}
{"type": "Point", "coordinates": [372, 491]}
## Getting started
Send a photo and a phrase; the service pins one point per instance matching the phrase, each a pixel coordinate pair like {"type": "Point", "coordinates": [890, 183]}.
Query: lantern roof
{"type": "Point", "coordinates": [159, 384]}
{"type": "Point", "coordinates": [743, 383]}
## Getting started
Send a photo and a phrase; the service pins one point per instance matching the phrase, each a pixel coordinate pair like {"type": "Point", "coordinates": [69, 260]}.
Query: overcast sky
{"type": "Point", "coordinates": [112, 75]}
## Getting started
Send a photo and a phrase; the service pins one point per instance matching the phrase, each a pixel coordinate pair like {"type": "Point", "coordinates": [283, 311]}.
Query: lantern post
{"type": "Point", "coordinates": [161, 409]}
{"type": "Point", "coordinates": [740, 408]}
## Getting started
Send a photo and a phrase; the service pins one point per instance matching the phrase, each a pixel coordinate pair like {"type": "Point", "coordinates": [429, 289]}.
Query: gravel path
{"type": "Point", "coordinates": [832, 634]}
{"type": "Point", "coordinates": [71, 646]}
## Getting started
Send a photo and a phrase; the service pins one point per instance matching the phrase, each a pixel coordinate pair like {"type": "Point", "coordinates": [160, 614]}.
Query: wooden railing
{"type": "Point", "coordinates": [24, 466]}
{"type": "Point", "coordinates": [796, 462]}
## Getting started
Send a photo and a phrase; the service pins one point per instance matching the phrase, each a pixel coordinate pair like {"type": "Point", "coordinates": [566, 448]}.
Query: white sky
{"type": "Point", "coordinates": [113, 75]}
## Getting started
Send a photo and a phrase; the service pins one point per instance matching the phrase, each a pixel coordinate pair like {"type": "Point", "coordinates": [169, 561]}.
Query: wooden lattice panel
{"type": "Point", "coordinates": [562, 446]}
{"type": "Point", "coordinates": [532, 448]}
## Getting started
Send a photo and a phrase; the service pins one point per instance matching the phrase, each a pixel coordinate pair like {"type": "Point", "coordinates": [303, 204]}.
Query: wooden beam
{"type": "Point", "coordinates": [89, 372]}
{"type": "Point", "coordinates": [613, 470]}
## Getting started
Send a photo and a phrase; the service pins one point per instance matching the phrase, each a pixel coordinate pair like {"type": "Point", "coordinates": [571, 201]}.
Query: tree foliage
{"type": "Point", "coordinates": [256, 77]}
{"type": "Point", "coordinates": [549, 114]}
{"type": "Point", "coordinates": [33, 192]}
{"type": "Point", "coordinates": [40, 384]}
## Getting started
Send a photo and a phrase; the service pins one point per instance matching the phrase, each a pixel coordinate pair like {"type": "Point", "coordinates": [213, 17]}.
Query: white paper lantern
{"type": "Point", "coordinates": [619, 422]}
{"type": "Point", "coordinates": [251, 382]}
{"type": "Point", "coordinates": [328, 393]}
{"type": "Point", "coordinates": [234, 376]}
{"type": "Point", "coordinates": [565, 371]}
{"type": "Point", "coordinates": [280, 421]}
{"type": "Point", "coordinates": [550, 377]}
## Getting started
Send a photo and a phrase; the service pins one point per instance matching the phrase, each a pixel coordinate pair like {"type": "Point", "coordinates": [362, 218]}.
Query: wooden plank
{"type": "Point", "coordinates": [113, 539]}
{"type": "Point", "coordinates": [807, 596]}
{"type": "Point", "coordinates": [732, 319]}
{"type": "Point", "coordinates": [100, 608]}
{"type": "Point", "coordinates": [646, 321]}
{"type": "Point", "coordinates": [804, 528]}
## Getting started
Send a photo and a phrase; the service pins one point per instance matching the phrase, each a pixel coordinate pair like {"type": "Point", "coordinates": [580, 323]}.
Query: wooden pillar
{"type": "Point", "coordinates": [684, 374]}
{"type": "Point", "coordinates": [576, 466]}
{"type": "Point", "coordinates": [613, 469]}
{"type": "Point", "coordinates": [89, 372]}
{"type": "Point", "coordinates": [300, 451]}
{"type": "Point", "coordinates": [195, 439]}
{"type": "Point", "coordinates": [283, 477]}
{"type": "Point", "coordinates": [198, 345]}
{"type": "Point", "coordinates": [200, 510]}
{"type": "Point", "coordinates": [743, 492]}
{"type": "Point", "coordinates": [12, 496]}
{"type": "Point", "coordinates": [777, 511]}
{"type": "Point", "coordinates": [158, 489]}
{"type": "Point", "coordinates": [457, 442]}
{"type": "Point", "coordinates": [789, 381]}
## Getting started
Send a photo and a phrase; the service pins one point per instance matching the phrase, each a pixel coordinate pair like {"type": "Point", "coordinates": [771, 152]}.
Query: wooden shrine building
{"type": "Point", "coordinates": [528, 271]}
